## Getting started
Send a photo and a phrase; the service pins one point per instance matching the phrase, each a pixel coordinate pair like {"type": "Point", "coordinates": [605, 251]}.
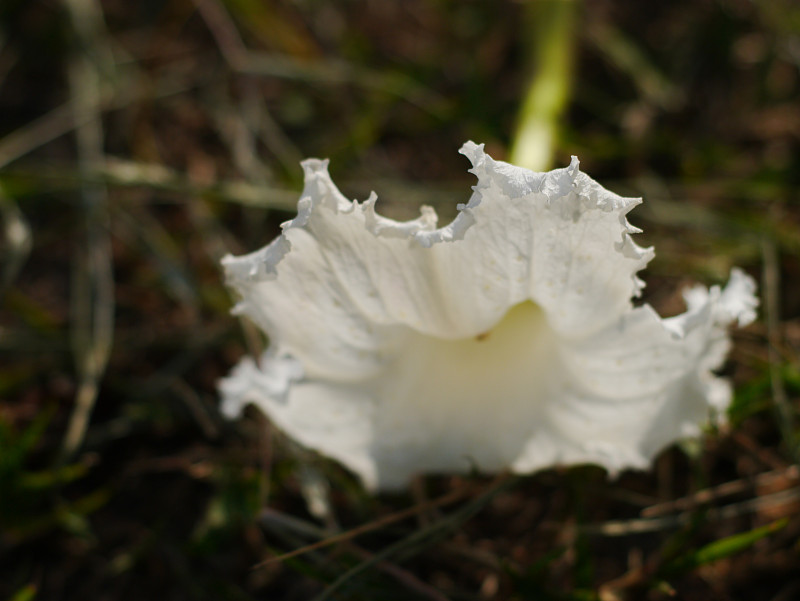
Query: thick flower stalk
{"type": "Point", "coordinates": [506, 339]}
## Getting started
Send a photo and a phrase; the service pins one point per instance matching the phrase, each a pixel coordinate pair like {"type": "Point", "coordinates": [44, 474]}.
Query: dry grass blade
{"type": "Point", "coordinates": [8, 58]}
{"type": "Point", "coordinates": [245, 61]}
{"type": "Point", "coordinates": [45, 129]}
{"type": "Point", "coordinates": [69, 116]}
{"type": "Point", "coordinates": [18, 241]}
{"type": "Point", "coordinates": [707, 495]}
{"type": "Point", "coordinates": [657, 524]}
{"type": "Point", "coordinates": [121, 172]}
{"type": "Point", "coordinates": [421, 537]}
{"type": "Point", "coordinates": [447, 499]}
{"type": "Point", "coordinates": [201, 413]}
{"type": "Point", "coordinates": [139, 226]}
{"type": "Point", "coordinates": [404, 577]}
{"type": "Point", "coordinates": [224, 31]}
{"type": "Point", "coordinates": [772, 311]}
{"type": "Point", "coordinates": [93, 282]}
{"type": "Point", "coordinates": [629, 59]}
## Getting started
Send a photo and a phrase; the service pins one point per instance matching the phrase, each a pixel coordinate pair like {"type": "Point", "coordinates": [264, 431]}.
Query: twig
{"type": "Point", "coordinates": [657, 524]}
{"type": "Point", "coordinates": [772, 313]}
{"type": "Point", "coordinates": [708, 495]}
{"type": "Point", "coordinates": [451, 497]}
{"type": "Point", "coordinates": [404, 577]}
{"type": "Point", "coordinates": [422, 536]}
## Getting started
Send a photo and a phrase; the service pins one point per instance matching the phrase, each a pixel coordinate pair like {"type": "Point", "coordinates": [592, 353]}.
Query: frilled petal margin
{"type": "Point", "coordinates": [506, 339]}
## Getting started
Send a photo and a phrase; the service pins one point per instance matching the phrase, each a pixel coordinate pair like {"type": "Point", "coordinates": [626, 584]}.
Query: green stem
{"type": "Point", "coordinates": [552, 24]}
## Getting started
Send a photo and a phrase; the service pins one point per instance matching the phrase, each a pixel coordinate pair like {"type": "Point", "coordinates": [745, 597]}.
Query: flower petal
{"type": "Point", "coordinates": [437, 405]}
{"type": "Point", "coordinates": [568, 236]}
{"type": "Point", "coordinates": [506, 338]}
{"type": "Point", "coordinates": [641, 384]}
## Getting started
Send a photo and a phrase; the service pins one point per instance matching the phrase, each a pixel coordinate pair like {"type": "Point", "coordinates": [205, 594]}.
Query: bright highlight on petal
{"type": "Point", "coordinates": [505, 339]}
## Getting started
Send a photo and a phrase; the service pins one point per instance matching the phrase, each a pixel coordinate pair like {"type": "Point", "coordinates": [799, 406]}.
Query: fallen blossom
{"type": "Point", "coordinates": [506, 339]}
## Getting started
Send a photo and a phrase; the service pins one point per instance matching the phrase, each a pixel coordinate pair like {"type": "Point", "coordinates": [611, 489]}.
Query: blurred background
{"type": "Point", "coordinates": [141, 141]}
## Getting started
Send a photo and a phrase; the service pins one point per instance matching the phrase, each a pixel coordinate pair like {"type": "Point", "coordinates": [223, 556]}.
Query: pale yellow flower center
{"type": "Point", "coordinates": [495, 385]}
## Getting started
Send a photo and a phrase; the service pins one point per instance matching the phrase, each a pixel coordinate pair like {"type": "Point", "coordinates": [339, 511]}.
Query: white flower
{"type": "Point", "coordinates": [506, 339]}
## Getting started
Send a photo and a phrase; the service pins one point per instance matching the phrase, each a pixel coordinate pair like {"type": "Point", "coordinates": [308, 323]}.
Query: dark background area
{"type": "Point", "coordinates": [141, 141]}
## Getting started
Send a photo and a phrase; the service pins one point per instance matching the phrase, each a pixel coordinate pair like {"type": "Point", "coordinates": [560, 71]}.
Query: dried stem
{"type": "Point", "coordinates": [708, 495]}
{"type": "Point", "coordinates": [772, 311]}
{"type": "Point", "coordinates": [93, 282]}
